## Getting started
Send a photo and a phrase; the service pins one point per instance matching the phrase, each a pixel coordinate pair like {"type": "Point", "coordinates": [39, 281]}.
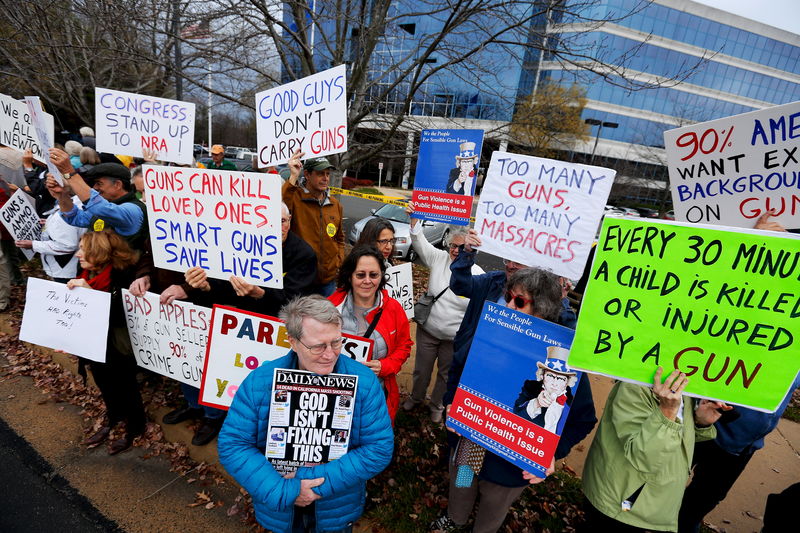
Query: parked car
{"type": "Point", "coordinates": [435, 232]}
{"type": "Point", "coordinates": [611, 210]}
{"type": "Point", "coordinates": [669, 215]}
{"type": "Point", "coordinates": [646, 212]}
{"type": "Point", "coordinates": [628, 211]}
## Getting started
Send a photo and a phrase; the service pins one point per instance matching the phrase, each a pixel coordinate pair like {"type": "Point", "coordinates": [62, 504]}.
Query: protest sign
{"type": "Point", "coordinates": [310, 417]}
{"type": "Point", "coordinates": [169, 339]}
{"type": "Point", "coordinates": [17, 130]}
{"type": "Point", "coordinates": [731, 171]}
{"type": "Point", "coordinates": [542, 212]}
{"type": "Point", "coordinates": [75, 321]}
{"type": "Point", "coordinates": [226, 222]}
{"type": "Point", "coordinates": [719, 305]}
{"type": "Point", "coordinates": [44, 132]}
{"type": "Point", "coordinates": [128, 123]}
{"type": "Point", "coordinates": [447, 172]}
{"type": "Point", "coordinates": [516, 390]}
{"type": "Point", "coordinates": [19, 217]}
{"type": "Point", "coordinates": [309, 114]}
{"type": "Point", "coordinates": [241, 341]}
{"type": "Point", "coordinates": [400, 286]}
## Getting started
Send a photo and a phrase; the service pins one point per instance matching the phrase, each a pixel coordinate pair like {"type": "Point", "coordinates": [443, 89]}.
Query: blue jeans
{"type": "Point", "coordinates": [192, 395]}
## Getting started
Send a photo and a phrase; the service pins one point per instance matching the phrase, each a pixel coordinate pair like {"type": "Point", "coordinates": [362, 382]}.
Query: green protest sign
{"type": "Point", "coordinates": [722, 306]}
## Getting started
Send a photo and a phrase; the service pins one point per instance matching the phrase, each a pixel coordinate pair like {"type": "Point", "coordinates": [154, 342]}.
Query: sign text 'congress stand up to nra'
{"type": "Point", "coordinates": [720, 305]}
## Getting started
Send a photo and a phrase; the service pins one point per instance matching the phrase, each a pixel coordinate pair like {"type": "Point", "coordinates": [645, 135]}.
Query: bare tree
{"type": "Point", "coordinates": [405, 58]}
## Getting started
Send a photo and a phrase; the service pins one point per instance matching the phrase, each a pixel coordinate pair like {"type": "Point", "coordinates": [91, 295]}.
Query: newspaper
{"type": "Point", "coordinates": [310, 418]}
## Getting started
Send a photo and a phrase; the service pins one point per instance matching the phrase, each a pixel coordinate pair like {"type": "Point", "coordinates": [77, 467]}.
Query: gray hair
{"type": "Point", "coordinates": [285, 209]}
{"type": "Point", "coordinates": [542, 286]}
{"type": "Point", "coordinates": [86, 131]}
{"type": "Point", "coordinates": [454, 231]}
{"type": "Point", "coordinates": [313, 306]}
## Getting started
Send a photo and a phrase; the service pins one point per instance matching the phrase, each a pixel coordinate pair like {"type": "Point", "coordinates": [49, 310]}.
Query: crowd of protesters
{"type": "Point", "coordinates": [95, 235]}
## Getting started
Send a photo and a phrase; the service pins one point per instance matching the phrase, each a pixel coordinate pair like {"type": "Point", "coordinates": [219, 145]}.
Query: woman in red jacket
{"type": "Point", "coordinates": [368, 311]}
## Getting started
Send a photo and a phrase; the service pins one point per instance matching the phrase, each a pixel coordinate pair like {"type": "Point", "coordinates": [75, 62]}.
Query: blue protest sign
{"type": "Point", "coordinates": [516, 390]}
{"type": "Point", "coordinates": [447, 172]}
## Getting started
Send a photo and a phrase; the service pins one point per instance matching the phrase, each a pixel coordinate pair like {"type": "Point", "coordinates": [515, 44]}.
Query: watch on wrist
{"type": "Point", "coordinates": [68, 175]}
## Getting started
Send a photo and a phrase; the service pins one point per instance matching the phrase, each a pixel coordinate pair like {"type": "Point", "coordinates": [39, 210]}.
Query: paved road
{"type": "Point", "coordinates": [36, 498]}
{"type": "Point", "coordinates": [357, 208]}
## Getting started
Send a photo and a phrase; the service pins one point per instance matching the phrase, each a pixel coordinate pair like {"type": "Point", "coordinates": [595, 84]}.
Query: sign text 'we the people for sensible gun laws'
{"type": "Point", "coordinates": [309, 114]}
{"type": "Point", "coordinates": [128, 123]}
{"type": "Point", "coordinates": [732, 170]}
{"type": "Point", "coordinates": [722, 306]}
{"type": "Point", "coordinates": [542, 212]}
{"type": "Point", "coordinates": [226, 222]}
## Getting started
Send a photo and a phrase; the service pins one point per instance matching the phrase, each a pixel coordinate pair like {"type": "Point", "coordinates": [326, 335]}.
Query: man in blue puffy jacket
{"type": "Point", "coordinates": [324, 498]}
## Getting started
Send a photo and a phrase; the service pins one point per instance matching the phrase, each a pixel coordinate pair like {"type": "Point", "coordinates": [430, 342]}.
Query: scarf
{"type": "Point", "coordinates": [101, 282]}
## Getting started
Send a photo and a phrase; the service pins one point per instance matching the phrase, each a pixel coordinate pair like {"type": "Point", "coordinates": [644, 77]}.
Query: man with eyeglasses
{"type": "Point", "coordinates": [326, 497]}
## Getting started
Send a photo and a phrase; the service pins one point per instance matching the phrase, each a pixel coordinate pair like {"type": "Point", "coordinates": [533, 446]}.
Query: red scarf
{"type": "Point", "coordinates": [101, 282]}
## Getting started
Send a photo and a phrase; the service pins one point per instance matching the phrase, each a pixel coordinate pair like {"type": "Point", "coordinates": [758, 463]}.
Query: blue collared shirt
{"type": "Point", "coordinates": [126, 219]}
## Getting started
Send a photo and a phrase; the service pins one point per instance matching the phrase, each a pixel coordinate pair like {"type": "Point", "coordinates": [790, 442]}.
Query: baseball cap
{"type": "Point", "coordinates": [217, 149]}
{"type": "Point", "coordinates": [317, 163]}
{"type": "Point", "coordinates": [108, 170]}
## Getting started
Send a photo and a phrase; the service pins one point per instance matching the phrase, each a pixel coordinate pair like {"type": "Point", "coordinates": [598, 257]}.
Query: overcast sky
{"type": "Point", "coordinates": [784, 14]}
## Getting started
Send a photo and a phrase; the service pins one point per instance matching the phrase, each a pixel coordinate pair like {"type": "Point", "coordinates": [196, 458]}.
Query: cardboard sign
{"type": "Point", "coordinates": [169, 339]}
{"type": "Point", "coordinates": [226, 222]}
{"type": "Point", "coordinates": [17, 130]}
{"type": "Point", "coordinates": [75, 321]}
{"type": "Point", "coordinates": [19, 217]}
{"type": "Point", "coordinates": [309, 114]}
{"type": "Point", "coordinates": [241, 341]}
{"type": "Point", "coordinates": [542, 212]}
{"type": "Point", "coordinates": [44, 132]}
{"type": "Point", "coordinates": [127, 123]}
{"type": "Point", "coordinates": [447, 172]}
{"type": "Point", "coordinates": [400, 286]}
{"type": "Point", "coordinates": [733, 170]}
{"type": "Point", "coordinates": [516, 390]}
{"type": "Point", "coordinates": [719, 305]}
{"type": "Point", "coordinates": [310, 417]}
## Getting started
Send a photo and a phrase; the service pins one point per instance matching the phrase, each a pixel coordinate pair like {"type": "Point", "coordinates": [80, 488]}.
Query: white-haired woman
{"type": "Point", "coordinates": [435, 335]}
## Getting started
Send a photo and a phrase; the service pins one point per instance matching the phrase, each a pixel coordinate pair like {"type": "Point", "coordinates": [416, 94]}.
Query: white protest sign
{"type": "Point", "coordinates": [19, 217]}
{"type": "Point", "coordinates": [75, 321]}
{"type": "Point", "coordinates": [241, 341]}
{"type": "Point", "coordinates": [733, 170]}
{"type": "Point", "coordinates": [169, 339]}
{"type": "Point", "coordinates": [16, 128]}
{"type": "Point", "coordinates": [127, 123]}
{"type": "Point", "coordinates": [542, 212]}
{"type": "Point", "coordinates": [226, 222]}
{"type": "Point", "coordinates": [44, 132]}
{"type": "Point", "coordinates": [400, 286]}
{"type": "Point", "coordinates": [308, 114]}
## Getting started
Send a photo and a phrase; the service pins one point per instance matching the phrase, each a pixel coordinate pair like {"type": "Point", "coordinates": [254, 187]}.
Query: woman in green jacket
{"type": "Point", "coordinates": [638, 465]}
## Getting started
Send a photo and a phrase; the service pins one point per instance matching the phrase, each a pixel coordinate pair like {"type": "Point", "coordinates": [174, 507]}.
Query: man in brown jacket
{"type": "Point", "coordinates": [316, 216]}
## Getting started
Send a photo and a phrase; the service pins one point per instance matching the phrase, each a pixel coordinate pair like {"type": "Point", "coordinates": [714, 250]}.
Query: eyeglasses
{"type": "Point", "coordinates": [319, 349]}
{"type": "Point", "coordinates": [285, 220]}
{"type": "Point", "coordinates": [512, 264]}
{"type": "Point", "coordinates": [362, 275]}
{"type": "Point", "coordinates": [454, 246]}
{"type": "Point", "coordinates": [519, 300]}
{"type": "Point", "coordinates": [384, 242]}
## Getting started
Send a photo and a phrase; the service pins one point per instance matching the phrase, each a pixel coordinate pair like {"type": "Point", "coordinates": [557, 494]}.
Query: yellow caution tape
{"type": "Point", "coordinates": [394, 200]}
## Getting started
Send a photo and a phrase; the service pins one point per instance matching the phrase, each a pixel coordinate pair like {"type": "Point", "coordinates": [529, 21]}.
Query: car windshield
{"type": "Point", "coordinates": [394, 213]}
